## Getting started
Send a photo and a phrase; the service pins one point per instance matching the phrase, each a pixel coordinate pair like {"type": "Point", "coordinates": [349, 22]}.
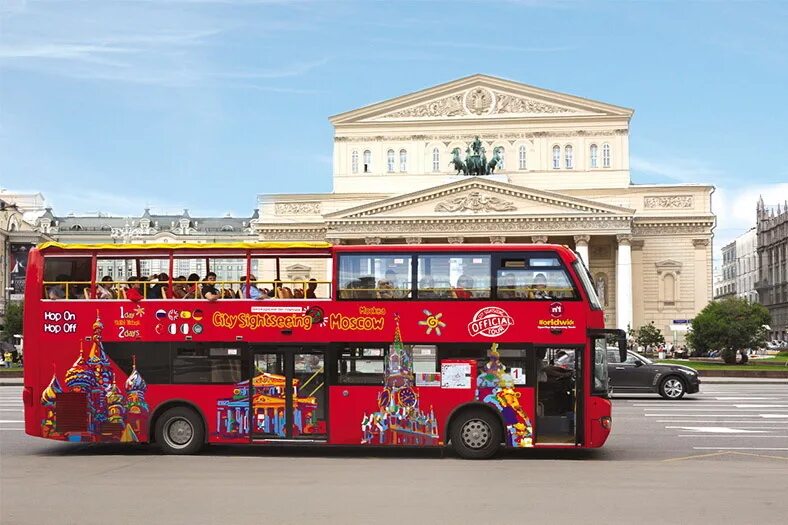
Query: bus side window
{"type": "Point", "coordinates": [66, 277]}
{"type": "Point", "coordinates": [361, 366]}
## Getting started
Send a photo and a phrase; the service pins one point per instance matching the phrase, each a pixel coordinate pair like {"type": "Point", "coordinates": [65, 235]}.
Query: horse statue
{"type": "Point", "coordinates": [473, 163]}
{"type": "Point", "coordinates": [496, 159]}
{"type": "Point", "coordinates": [459, 165]}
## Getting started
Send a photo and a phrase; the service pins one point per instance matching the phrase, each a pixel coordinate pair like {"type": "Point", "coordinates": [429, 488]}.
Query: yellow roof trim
{"type": "Point", "coordinates": [188, 246]}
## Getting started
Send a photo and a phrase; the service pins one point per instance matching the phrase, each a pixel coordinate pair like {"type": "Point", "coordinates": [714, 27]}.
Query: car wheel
{"type": "Point", "coordinates": [476, 434]}
{"type": "Point", "coordinates": [672, 387]}
{"type": "Point", "coordinates": [180, 431]}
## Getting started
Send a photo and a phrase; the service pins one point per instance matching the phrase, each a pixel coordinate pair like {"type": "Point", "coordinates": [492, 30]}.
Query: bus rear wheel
{"type": "Point", "coordinates": [179, 430]}
{"type": "Point", "coordinates": [476, 434]}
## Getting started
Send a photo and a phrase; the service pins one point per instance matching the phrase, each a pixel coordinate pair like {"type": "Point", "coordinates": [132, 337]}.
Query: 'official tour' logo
{"type": "Point", "coordinates": [490, 322]}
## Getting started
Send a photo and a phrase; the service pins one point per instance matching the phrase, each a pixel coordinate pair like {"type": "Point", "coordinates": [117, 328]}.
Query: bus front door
{"type": "Point", "coordinates": [288, 394]}
{"type": "Point", "coordinates": [559, 373]}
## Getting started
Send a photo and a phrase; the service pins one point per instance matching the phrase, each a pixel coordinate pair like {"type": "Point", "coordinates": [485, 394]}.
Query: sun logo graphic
{"type": "Point", "coordinates": [433, 322]}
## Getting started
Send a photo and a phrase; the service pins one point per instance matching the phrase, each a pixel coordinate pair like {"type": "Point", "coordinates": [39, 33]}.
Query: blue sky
{"type": "Point", "coordinates": [114, 105]}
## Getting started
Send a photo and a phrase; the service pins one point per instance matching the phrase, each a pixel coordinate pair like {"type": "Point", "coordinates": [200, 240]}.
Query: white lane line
{"type": "Point", "coordinates": [776, 416]}
{"type": "Point", "coordinates": [12, 420]}
{"type": "Point", "coordinates": [767, 427]}
{"type": "Point", "coordinates": [728, 409]}
{"type": "Point", "coordinates": [695, 406]}
{"type": "Point", "coordinates": [760, 406]}
{"type": "Point", "coordinates": [15, 428]}
{"type": "Point", "coordinates": [718, 430]}
{"type": "Point", "coordinates": [725, 436]}
{"type": "Point", "coordinates": [740, 448]}
{"type": "Point", "coordinates": [744, 397]}
{"type": "Point", "coordinates": [11, 410]}
{"type": "Point", "coordinates": [707, 421]}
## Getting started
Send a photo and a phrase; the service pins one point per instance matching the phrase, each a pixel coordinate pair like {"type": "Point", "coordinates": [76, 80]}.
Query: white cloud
{"type": "Point", "coordinates": [677, 169]}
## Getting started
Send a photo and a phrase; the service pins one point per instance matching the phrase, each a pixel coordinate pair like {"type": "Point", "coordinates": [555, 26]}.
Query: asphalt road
{"type": "Point", "coordinates": [719, 456]}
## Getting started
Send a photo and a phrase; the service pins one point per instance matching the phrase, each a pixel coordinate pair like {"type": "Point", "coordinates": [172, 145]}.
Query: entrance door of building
{"type": "Point", "coordinates": [288, 394]}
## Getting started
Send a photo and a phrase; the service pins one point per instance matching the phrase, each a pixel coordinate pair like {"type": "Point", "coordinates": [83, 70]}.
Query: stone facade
{"type": "Point", "coordinates": [772, 285]}
{"type": "Point", "coordinates": [564, 178]}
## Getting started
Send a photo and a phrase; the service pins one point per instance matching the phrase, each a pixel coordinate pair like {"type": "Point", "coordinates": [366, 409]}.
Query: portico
{"type": "Point", "coordinates": [561, 175]}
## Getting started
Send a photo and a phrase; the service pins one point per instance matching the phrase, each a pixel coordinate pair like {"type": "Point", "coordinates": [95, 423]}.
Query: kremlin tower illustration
{"type": "Point", "coordinates": [91, 407]}
{"type": "Point", "coordinates": [399, 421]}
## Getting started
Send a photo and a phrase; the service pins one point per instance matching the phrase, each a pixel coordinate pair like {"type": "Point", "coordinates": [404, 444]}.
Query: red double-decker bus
{"type": "Point", "coordinates": [271, 343]}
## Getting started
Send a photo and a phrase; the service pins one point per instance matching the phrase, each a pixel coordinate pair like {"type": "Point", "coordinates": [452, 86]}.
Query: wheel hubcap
{"type": "Point", "coordinates": [179, 433]}
{"type": "Point", "coordinates": [673, 388]}
{"type": "Point", "coordinates": [476, 434]}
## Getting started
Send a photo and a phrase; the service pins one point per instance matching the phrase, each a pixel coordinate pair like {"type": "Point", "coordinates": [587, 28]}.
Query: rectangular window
{"type": "Point", "coordinates": [66, 277]}
{"type": "Point", "coordinates": [151, 359]}
{"type": "Point", "coordinates": [588, 285]}
{"type": "Point", "coordinates": [207, 363]}
{"type": "Point", "coordinates": [444, 276]}
{"type": "Point", "coordinates": [361, 366]}
{"type": "Point", "coordinates": [377, 276]}
{"type": "Point", "coordinates": [533, 277]}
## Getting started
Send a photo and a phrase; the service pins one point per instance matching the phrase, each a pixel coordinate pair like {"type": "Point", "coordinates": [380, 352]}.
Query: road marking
{"type": "Point", "coordinates": [12, 420]}
{"type": "Point", "coordinates": [741, 448]}
{"type": "Point", "coordinates": [718, 430]}
{"type": "Point", "coordinates": [15, 428]}
{"type": "Point", "coordinates": [697, 456]}
{"type": "Point", "coordinates": [775, 416]}
{"type": "Point", "coordinates": [738, 398]}
{"type": "Point", "coordinates": [726, 436]}
{"type": "Point", "coordinates": [715, 409]}
{"type": "Point", "coordinates": [707, 421]}
{"type": "Point", "coordinates": [11, 410]}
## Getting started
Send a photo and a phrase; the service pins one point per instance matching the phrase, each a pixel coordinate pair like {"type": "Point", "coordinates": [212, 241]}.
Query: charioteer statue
{"type": "Point", "coordinates": [475, 162]}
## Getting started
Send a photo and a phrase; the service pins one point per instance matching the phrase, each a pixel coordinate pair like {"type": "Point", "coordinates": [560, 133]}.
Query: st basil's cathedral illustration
{"type": "Point", "coordinates": [91, 407]}
{"type": "Point", "coordinates": [399, 420]}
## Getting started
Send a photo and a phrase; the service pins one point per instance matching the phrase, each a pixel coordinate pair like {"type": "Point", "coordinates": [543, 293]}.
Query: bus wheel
{"type": "Point", "coordinates": [179, 430]}
{"type": "Point", "coordinates": [476, 434]}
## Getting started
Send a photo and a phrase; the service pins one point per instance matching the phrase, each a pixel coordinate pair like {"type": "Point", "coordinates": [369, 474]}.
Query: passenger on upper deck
{"type": "Point", "coordinates": [132, 292]}
{"type": "Point", "coordinates": [253, 291]}
{"type": "Point", "coordinates": [103, 291]}
{"type": "Point", "coordinates": [539, 288]}
{"type": "Point", "coordinates": [311, 287]}
{"type": "Point", "coordinates": [58, 291]}
{"type": "Point", "coordinates": [179, 287]}
{"type": "Point", "coordinates": [464, 288]}
{"type": "Point", "coordinates": [507, 286]}
{"type": "Point", "coordinates": [282, 292]}
{"type": "Point", "coordinates": [194, 287]}
{"type": "Point", "coordinates": [208, 288]}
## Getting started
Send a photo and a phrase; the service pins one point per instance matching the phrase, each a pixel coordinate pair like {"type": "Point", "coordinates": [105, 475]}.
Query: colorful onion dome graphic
{"type": "Point", "coordinates": [135, 390]}
{"type": "Point", "coordinates": [115, 406]}
{"type": "Point", "coordinates": [80, 378]}
{"type": "Point", "coordinates": [50, 392]}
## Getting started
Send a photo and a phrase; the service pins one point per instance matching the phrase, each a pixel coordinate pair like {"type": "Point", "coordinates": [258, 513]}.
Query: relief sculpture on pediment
{"type": "Point", "coordinates": [475, 201]}
{"type": "Point", "coordinates": [450, 106]}
{"type": "Point", "coordinates": [511, 104]}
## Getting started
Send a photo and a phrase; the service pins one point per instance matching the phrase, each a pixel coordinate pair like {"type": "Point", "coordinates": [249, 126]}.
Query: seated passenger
{"type": "Point", "coordinates": [179, 287]}
{"type": "Point", "coordinates": [208, 289]}
{"type": "Point", "coordinates": [464, 288]}
{"type": "Point", "coordinates": [58, 291]}
{"type": "Point", "coordinates": [539, 288]}
{"type": "Point", "coordinates": [133, 290]}
{"type": "Point", "coordinates": [427, 288]}
{"type": "Point", "coordinates": [507, 286]}
{"type": "Point", "coordinates": [104, 289]}
{"type": "Point", "coordinates": [193, 291]}
{"type": "Point", "coordinates": [251, 291]}
{"type": "Point", "coordinates": [282, 292]}
{"type": "Point", "coordinates": [298, 293]}
{"type": "Point", "coordinates": [385, 289]}
{"type": "Point", "coordinates": [311, 287]}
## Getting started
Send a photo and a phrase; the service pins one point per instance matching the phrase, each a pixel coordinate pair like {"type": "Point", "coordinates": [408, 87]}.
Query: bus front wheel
{"type": "Point", "coordinates": [179, 430]}
{"type": "Point", "coordinates": [476, 434]}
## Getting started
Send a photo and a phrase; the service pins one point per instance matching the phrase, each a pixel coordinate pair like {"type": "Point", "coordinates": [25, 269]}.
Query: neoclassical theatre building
{"type": "Point", "coordinates": [561, 176]}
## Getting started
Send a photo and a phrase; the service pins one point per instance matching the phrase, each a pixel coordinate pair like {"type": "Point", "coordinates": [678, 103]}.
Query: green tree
{"type": "Point", "coordinates": [13, 320]}
{"type": "Point", "coordinates": [731, 325]}
{"type": "Point", "coordinates": [649, 335]}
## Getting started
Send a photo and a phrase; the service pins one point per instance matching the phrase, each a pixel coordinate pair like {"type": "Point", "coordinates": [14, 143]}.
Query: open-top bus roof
{"type": "Point", "coordinates": [56, 246]}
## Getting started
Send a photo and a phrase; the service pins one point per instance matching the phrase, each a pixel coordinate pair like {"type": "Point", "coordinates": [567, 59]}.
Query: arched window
{"type": "Point", "coordinates": [521, 158]}
{"type": "Point", "coordinates": [556, 157]}
{"type": "Point", "coordinates": [390, 161]}
{"type": "Point", "coordinates": [593, 156]}
{"type": "Point", "coordinates": [436, 159]}
{"type": "Point", "coordinates": [403, 160]}
{"type": "Point", "coordinates": [569, 157]}
{"type": "Point", "coordinates": [367, 161]}
{"type": "Point", "coordinates": [354, 161]}
{"type": "Point", "coordinates": [605, 155]}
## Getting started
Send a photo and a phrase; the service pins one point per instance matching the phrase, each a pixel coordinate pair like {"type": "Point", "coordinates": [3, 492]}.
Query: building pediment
{"type": "Point", "coordinates": [480, 97]}
{"type": "Point", "coordinates": [478, 196]}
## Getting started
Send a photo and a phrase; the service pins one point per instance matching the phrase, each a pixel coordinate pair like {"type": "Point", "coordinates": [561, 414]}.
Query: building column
{"type": "Point", "coordinates": [638, 305]}
{"type": "Point", "coordinates": [539, 239]}
{"type": "Point", "coordinates": [702, 278]}
{"type": "Point", "coordinates": [581, 246]}
{"type": "Point", "coordinates": [624, 282]}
